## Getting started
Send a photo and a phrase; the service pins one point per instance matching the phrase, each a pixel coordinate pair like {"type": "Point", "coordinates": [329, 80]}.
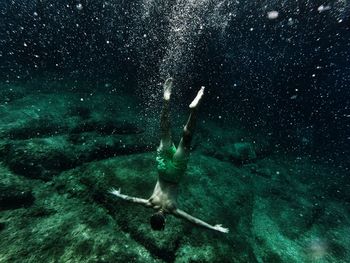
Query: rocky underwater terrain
{"type": "Point", "coordinates": [62, 149]}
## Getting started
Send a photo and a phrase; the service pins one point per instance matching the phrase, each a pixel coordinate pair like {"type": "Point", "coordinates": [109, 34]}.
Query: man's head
{"type": "Point", "coordinates": [158, 221]}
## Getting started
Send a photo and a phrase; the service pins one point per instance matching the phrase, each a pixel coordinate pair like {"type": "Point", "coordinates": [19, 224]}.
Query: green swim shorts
{"type": "Point", "coordinates": [168, 169]}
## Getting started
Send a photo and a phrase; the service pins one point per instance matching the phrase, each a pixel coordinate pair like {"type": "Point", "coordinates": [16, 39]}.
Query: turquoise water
{"type": "Point", "coordinates": [81, 98]}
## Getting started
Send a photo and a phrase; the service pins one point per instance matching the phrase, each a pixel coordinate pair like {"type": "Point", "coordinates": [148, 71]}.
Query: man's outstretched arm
{"type": "Point", "coordinates": [129, 198]}
{"type": "Point", "coordinates": [182, 214]}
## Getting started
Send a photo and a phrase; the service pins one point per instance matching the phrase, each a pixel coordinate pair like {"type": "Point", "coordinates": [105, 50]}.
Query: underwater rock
{"type": "Point", "coordinates": [44, 134]}
{"type": "Point", "coordinates": [9, 93]}
{"type": "Point", "coordinates": [263, 146]}
{"type": "Point", "coordinates": [46, 125]}
{"type": "Point", "coordinates": [80, 111]}
{"type": "Point", "coordinates": [12, 197]}
{"type": "Point", "coordinates": [136, 175]}
{"type": "Point", "coordinates": [201, 194]}
{"type": "Point", "coordinates": [35, 116]}
{"type": "Point", "coordinates": [43, 115]}
{"type": "Point", "coordinates": [79, 231]}
{"type": "Point", "coordinates": [236, 145]}
{"type": "Point", "coordinates": [190, 253]}
{"type": "Point", "coordinates": [40, 157]}
{"type": "Point", "coordinates": [241, 152]}
{"type": "Point", "coordinates": [43, 158]}
{"type": "Point", "coordinates": [271, 242]}
{"type": "Point", "coordinates": [75, 206]}
{"type": "Point", "coordinates": [36, 128]}
{"type": "Point", "coordinates": [261, 171]}
{"type": "Point", "coordinates": [107, 127]}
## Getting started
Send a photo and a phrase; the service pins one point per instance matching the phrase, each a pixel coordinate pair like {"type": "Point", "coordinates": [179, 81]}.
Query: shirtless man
{"type": "Point", "coordinates": [172, 164]}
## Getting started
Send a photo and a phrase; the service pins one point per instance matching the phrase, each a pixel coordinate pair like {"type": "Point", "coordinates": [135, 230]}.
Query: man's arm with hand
{"type": "Point", "coordinates": [132, 199]}
{"type": "Point", "coordinates": [194, 220]}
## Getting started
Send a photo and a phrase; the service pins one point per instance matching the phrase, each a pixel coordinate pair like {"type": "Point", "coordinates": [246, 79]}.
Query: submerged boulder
{"type": "Point", "coordinates": [243, 151]}
{"type": "Point", "coordinates": [43, 158]}
{"type": "Point", "coordinates": [40, 157]}
{"type": "Point", "coordinates": [42, 134]}
{"type": "Point", "coordinates": [232, 143]}
{"type": "Point", "coordinates": [240, 152]}
{"type": "Point", "coordinates": [201, 194]}
{"type": "Point", "coordinates": [14, 197]}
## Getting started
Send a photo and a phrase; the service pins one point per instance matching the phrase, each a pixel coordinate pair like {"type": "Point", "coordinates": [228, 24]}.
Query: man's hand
{"type": "Point", "coordinates": [115, 192]}
{"type": "Point", "coordinates": [192, 219]}
{"type": "Point", "coordinates": [137, 200]}
{"type": "Point", "coordinates": [221, 229]}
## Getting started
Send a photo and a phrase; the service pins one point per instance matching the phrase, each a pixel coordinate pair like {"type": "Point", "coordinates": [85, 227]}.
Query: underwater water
{"type": "Point", "coordinates": [81, 97]}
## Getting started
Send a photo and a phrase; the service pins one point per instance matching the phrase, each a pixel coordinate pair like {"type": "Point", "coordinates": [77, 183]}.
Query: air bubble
{"type": "Point", "coordinates": [79, 6]}
{"type": "Point", "coordinates": [272, 14]}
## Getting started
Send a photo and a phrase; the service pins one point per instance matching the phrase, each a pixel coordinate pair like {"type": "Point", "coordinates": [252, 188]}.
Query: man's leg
{"type": "Point", "coordinates": [183, 150]}
{"type": "Point", "coordinates": [165, 139]}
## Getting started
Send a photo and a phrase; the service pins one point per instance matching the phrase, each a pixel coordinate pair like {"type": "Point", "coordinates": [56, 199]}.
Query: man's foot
{"type": "Point", "coordinates": [168, 84]}
{"type": "Point", "coordinates": [197, 99]}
